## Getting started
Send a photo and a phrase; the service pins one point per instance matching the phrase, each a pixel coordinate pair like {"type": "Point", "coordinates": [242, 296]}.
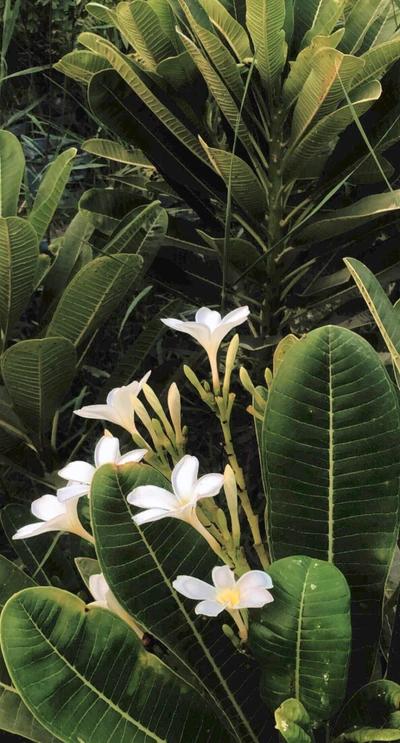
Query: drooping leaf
{"type": "Point", "coordinates": [163, 550]}
{"type": "Point", "coordinates": [377, 61]}
{"type": "Point", "coordinates": [50, 191]}
{"type": "Point", "coordinates": [38, 374]}
{"type": "Point", "coordinates": [359, 213]}
{"type": "Point", "coordinates": [374, 708]}
{"type": "Point", "coordinates": [81, 65]}
{"type": "Point", "coordinates": [246, 188]}
{"type": "Point", "coordinates": [117, 152]}
{"type": "Point", "coordinates": [293, 722]}
{"type": "Point", "coordinates": [93, 295]}
{"type": "Point", "coordinates": [232, 31]}
{"type": "Point", "coordinates": [12, 165]}
{"type": "Point", "coordinates": [265, 21]}
{"type": "Point", "coordinates": [102, 13]}
{"type": "Point", "coordinates": [140, 25]}
{"type": "Point", "coordinates": [361, 17]}
{"type": "Point", "coordinates": [303, 639]}
{"type": "Point", "coordinates": [329, 458]}
{"type": "Point", "coordinates": [180, 72]}
{"type": "Point", "coordinates": [94, 658]}
{"type": "Point", "coordinates": [19, 253]}
{"type": "Point", "coordinates": [380, 306]}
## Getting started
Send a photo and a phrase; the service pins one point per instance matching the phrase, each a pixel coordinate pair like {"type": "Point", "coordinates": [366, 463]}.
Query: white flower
{"type": "Point", "coordinates": [80, 474]}
{"type": "Point", "coordinates": [250, 591]}
{"type": "Point", "coordinates": [209, 329]}
{"type": "Point", "coordinates": [105, 599]}
{"type": "Point", "coordinates": [55, 516]}
{"type": "Point", "coordinates": [118, 409]}
{"type": "Point", "coordinates": [180, 504]}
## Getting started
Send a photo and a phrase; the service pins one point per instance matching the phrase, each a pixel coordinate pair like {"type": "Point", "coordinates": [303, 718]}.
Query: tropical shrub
{"type": "Point", "coordinates": [285, 640]}
{"type": "Point", "coordinates": [242, 107]}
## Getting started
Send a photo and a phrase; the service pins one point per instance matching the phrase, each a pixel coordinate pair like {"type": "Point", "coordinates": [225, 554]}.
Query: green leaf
{"type": "Point", "coordinates": [105, 207]}
{"type": "Point", "coordinates": [75, 239]}
{"type": "Point", "coordinates": [19, 253]}
{"type": "Point", "coordinates": [12, 580]}
{"type": "Point", "coordinates": [361, 17]}
{"type": "Point", "coordinates": [324, 19]}
{"type": "Point", "coordinates": [333, 471]}
{"type": "Point", "coordinates": [102, 13]}
{"type": "Point", "coordinates": [339, 221]}
{"type": "Point", "coordinates": [378, 60]}
{"type": "Point", "coordinates": [16, 718]}
{"type": "Point", "coordinates": [168, 21]}
{"type": "Point", "coordinates": [50, 191]}
{"type": "Point", "coordinates": [317, 139]}
{"type": "Point", "coordinates": [12, 166]}
{"type": "Point", "coordinates": [300, 68]}
{"type": "Point", "coordinates": [140, 565]}
{"type": "Point", "coordinates": [380, 306]}
{"type": "Point", "coordinates": [138, 230]}
{"type": "Point", "coordinates": [306, 16]}
{"type": "Point", "coordinates": [293, 722]}
{"type": "Point", "coordinates": [140, 24]}
{"type": "Point", "coordinates": [375, 707]}
{"type": "Point", "coordinates": [93, 295]}
{"type": "Point", "coordinates": [281, 350]}
{"type": "Point", "coordinates": [369, 172]}
{"type": "Point", "coordinates": [246, 188]}
{"type": "Point", "coordinates": [303, 639]}
{"type": "Point", "coordinates": [232, 31]}
{"type": "Point", "coordinates": [265, 21]}
{"type": "Point", "coordinates": [81, 65]}
{"type": "Point", "coordinates": [38, 374]}
{"type": "Point", "coordinates": [87, 567]}
{"type": "Point", "coordinates": [117, 152]}
{"type": "Point", "coordinates": [95, 660]}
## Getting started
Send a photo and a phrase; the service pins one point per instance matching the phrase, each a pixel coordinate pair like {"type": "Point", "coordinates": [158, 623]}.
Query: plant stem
{"type": "Point", "coordinates": [275, 218]}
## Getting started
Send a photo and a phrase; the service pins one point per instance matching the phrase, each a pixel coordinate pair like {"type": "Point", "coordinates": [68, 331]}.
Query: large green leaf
{"type": "Point", "coordinates": [320, 135]}
{"type": "Point", "coordinates": [325, 16]}
{"type": "Point", "coordinates": [232, 31]}
{"type": "Point", "coordinates": [141, 27]}
{"type": "Point", "coordinates": [300, 68]}
{"type": "Point", "coordinates": [303, 639]}
{"type": "Point", "coordinates": [375, 707]}
{"type": "Point", "coordinates": [93, 295]}
{"type": "Point", "coordinates": [329, 455]}
{"type": "Point", "coordinates": [38, 374]}
{"type": "Point", "coordinates": [76, 238]}
{"type": "Point", "coordinates": [81, 65]}
{"type": "Point", "coordinates": [140, 566]}
{"type": "Point", "coordinates": [265, 21]}
{"type": "Point", "coordinates": [359, 20]}
{"type": "Point", "coordinates": [117, 152]}
{"type": "Point", "coordinates": [380, 306]}
{"type": "Point", "coordinates": [105, 207]}
{"type": "Point", "coordinates": [339, 221]}
{"type": "Point", "coordinates": [293, 722]}
{"type": "Point", "coordinates": [246, 188]}
{"type": "Point", "coordinates": [168, 21]}
{"type": "Point", "coordinates": [12, 580]}
{"type": "Point", "coordinates": [378, 60]}
{"type": "Point", "coordinates": [19, 253]}
{"type": "Point", "coordinates": [12, 165]}
{"type": "Point", "coordinates": [306, 15]}
{"type": "Point", "coordinates": [102, 13]}
{"type": "Point", "coordinates": [95, 674]}
{"type": "Point", "coordinates": [393, 666]}
{"type": "Point", "coordinates": [50, 191]}
{"type": "Point", "coordinates": [138, 229]}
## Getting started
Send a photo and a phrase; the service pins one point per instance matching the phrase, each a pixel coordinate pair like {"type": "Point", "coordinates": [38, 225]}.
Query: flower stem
{"type": "Point", "coordinates": [236, 616]}
{"type": "Point", "coordinates": [252, 518]}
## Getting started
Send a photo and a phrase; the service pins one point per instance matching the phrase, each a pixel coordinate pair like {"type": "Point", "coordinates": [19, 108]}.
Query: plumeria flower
{"type": "Point", "coordinates": [80, 474]}
{"type": "Point", "coordinates": [118, 409]}
{"type": "Point", "coordinates": [181, 503]}
{"type": "Point", "coordinates": [55, 516]}
{"type": "Point", "coordinates": [250, 591]}
{"type": "Point", "coordinates": [209, 329]}
{"type": "Point", "coordinates": [105, 599]}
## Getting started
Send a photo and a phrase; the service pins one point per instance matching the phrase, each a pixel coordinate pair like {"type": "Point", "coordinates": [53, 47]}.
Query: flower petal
{"type": "Point", "coordinates": [47, 507]}
{"type": "Point", "coordinates": [99, 412]}
{"type": "Point", "coordinates": [200, 332]}
{"type": "Point", "coordinates": [194, 588]}
{"type": "Point", "coordinates": [254, 579]}
{"type": "Point", "coordinates": [184, 476]}
{"type": "Point", "coordinates": [223, 578]}
{"type": "Point", "coordinates": [98, 587]}
{"type": "Point", "coordinates": [151, 514]}
{"type": "Point", "coordinates": [122, 404]}
{"type": "Point", "coordinates": [72, 491]}
{"type": "Point", "coordinates": [107, 450]}
{"type": "Point", "coordinates": [209, 318]}
{"type": "Point", "coordinates": [32, 530]}
{"type": "Point", "coordinates": [135, 387]}
{"type": "Point", "coordinates": [132, 456]}
{"type": "Point", "coordinates": [254, 598]}
{"type": "Point", "coordinates": [210, 608]}
{"type": "Point", "coordinates": [151, 496]}
{"type": "Point", "coordinates": [208, 485]}
{"type": "Point", "coordinates": [236, 317]}
{"type": "Point", "coordinates": [78, 472]}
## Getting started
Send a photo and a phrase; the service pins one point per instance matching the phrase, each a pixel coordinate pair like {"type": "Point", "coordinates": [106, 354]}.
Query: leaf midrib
{"type": "Point", "coordinates": [298, 638]}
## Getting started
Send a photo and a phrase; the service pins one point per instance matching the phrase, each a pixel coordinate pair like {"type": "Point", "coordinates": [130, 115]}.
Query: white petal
{"type": "Point", "coordinates": [184, 476]}
{"type": "Point", "coordinates": [110, 397]}
{"type": "Point", "coordinates": [236, 317]}
{"type": "Point", "coordinates": [99, 604]}
{"type": "Point", "coordinates": [98, 587]}
{"type": "Point", "coordinates": [59, 523]}
{"type": "Point", "coordinates": [132, 456]}
{"type": "Point", "coordinates": [210, 608]}
{"type": "Point", "coordinates": [151, 496]}
{"type": "Point", "coordinates": [194, 588]}
{"type": "Point", "coordinates": [107, 450]}
{"type": "Point", "coordinates": [200, 332]}
{"type": "Point", "coordinates": [254, 598]}
{"type": "Point", "coordinates": [254, 579]}
{"type": "Point", "coordinates": [135, 387]}
{"type": "Point", "coordinates": [208, 485]}
{"type": "Point", "coordinates": [123, 406]}
{"type": "Point", "coordinates": [78, 472]}
{"type": "Point", "coordinates": [99, 412]}
{"type": "Point", "coordinates": [151, 514]}
{"type": "Point", "coordinates": [208, 317]}
{"type": "Point", "coordinates": [72, 491]}
{"type": "Point", "coordinates": [223, 578]}
{"type": "Point", "coordinates": [47, 507]}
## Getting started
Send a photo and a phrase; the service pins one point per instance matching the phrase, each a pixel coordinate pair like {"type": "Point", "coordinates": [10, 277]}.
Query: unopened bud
{"type": "Point", "coordinates": [231, 494]}
{"type": "Point", "coordinates": [268, 377]}
{"type": "Point", "coordinates": [174, 407]}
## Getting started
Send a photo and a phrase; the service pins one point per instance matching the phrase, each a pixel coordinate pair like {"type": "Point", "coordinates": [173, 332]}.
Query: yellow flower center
{"type": "Point", "coordinates": [230, 595]}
